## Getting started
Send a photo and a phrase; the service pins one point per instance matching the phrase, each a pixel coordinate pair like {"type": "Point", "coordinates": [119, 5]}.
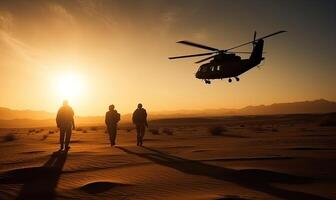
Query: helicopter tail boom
{"type": "Point", "coordinates": [257, 53]}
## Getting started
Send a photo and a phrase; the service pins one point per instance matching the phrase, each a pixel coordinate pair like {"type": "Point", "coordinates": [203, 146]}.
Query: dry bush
{"type": "Point", "coordinates": [217, 130]}
{"type": "Point", "coordinates": [51, 132]}
{"type": "Point", "coordinates": [154, 131]}
{"type": "Point", "coordinates": [9, 137]}
{"type": "Point", "coordinates": [31, 130]}
{"type": "Point", "coordinates": [259, 129]}
{"type": "Point", "coordinates": [79, 129]}
{"type": "Point", "coordinates": [84, 131]}
{"type": "Point", "coordinates": [168, 131]}
{"type": "Point", "coordinates": [44, 137]}
{"type": "Point", "coordinates": [94, 128]}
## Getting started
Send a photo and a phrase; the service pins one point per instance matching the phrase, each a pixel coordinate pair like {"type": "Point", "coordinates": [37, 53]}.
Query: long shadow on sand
{"type": "Point", "coordinates": [255, 179]}
{"type": "Point", "coordinates": [38, 182]}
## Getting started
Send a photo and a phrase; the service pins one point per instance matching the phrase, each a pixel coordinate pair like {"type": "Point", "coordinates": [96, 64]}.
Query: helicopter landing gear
{"type": "Point", "coordinates": [230, 80]}
{"type": "Point", "coordinates": [237, 79]}
{"type": "Point", "coordinates": [207, 81]}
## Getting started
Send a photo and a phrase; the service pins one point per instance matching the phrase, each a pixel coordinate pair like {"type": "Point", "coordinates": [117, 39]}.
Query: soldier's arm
{"type": "Point", "coordinates": [133, 117]}
{"type": "Point", "coordinates": [146, 123]}
{"type": "Point", "coordinates": [73, 123]}
{"type": "Point", "coordinates": [73, 120]}
{"type": "Point", "coordinates": [58, 118]}
{"type": "Point", "coordinates": [106, 119]}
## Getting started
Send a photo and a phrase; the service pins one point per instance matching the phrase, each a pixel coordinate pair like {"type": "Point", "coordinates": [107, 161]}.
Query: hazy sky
{"type": "Point", "coordinates": [116, 52]}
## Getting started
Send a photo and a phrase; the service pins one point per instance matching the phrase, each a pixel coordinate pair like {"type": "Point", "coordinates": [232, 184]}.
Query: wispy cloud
{"type": "Point", "coordinates": [19, 47]}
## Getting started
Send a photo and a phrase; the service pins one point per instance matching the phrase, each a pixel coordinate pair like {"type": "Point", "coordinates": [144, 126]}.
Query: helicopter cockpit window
{"type": "Point", "coordinates": [204, 69]}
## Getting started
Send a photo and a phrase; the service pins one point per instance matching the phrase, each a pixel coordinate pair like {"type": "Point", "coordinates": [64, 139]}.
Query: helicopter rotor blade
{"type": "Point", "coordinates": [192, 55]}
{"type": "Point", "coordinates": [242, 52]}
{"type": "Point", "coordinates": [247, 52]}
{"type": "Point", "coordinates": [197, 45]}
{"type": "Point", "coordinates": [272, 34]}
{"type": "Point", "coordinates": [205, 59]}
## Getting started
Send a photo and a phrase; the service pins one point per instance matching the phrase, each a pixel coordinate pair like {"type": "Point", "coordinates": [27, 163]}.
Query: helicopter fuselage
{"type": "Point", "coordinates": [229, 65]}
{"type": "Point", "coordinates": [226, 69]}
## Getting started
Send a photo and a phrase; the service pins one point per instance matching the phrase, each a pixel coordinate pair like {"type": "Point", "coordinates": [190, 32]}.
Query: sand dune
{"type": "Point", "coordinates": [242, 163]}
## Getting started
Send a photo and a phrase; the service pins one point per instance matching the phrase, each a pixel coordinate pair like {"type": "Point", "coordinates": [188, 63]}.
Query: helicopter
{"type": "Point", "coordinates": [225, 63]}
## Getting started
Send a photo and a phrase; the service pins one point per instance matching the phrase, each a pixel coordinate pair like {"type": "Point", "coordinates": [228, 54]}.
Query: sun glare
{"type": "Point", "coordinates": [70, 86]}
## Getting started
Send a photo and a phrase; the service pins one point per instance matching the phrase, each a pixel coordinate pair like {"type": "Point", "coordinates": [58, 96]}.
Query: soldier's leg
{"type": "Point", "coordinates": [142, 134]}
{"type": "Point", "coordinates": [143, 131]}
{"type": "Point", "coordinates": [111, 132]}
{"type": "Point", "coordinates": [114, 131]}
{"type": "Point", "coordinates": [62, 133]}
{"type": "Point", "coordinates": [68, 133]}
{"type": "Point", "coordinates": [138, 134]}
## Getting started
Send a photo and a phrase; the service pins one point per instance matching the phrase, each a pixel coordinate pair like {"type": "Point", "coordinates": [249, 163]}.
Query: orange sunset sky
{"type": "Point", "coordinates": [95, 53]}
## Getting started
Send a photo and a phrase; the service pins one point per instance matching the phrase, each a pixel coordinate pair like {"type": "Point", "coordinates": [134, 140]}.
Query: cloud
{"type": "Point", "coordinates": [61, 13]}
{"type": "Point", "coordinates": [25, 51]}
{"type": "Point", "coordinates": [6, 20]}
{"type": "Point", "coordinates": [19, 47]}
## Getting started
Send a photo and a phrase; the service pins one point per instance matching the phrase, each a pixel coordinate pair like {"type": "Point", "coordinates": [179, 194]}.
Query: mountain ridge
{"type": "Point", "coordinates": [21, 118]}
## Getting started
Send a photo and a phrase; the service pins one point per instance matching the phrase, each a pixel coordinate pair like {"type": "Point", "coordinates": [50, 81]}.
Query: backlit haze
{"type": "Point", "coordinates": [95, 53]}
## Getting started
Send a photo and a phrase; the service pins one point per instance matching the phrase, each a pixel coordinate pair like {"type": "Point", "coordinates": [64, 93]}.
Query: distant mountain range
{"type": "Point", "coordinates": [29, 118]}
{"type": "Point", "coordinates": [7, 114]}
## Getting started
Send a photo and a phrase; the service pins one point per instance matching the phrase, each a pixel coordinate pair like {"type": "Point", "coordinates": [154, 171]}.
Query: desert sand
{"type": "Point", "coordinates": [283, 157]}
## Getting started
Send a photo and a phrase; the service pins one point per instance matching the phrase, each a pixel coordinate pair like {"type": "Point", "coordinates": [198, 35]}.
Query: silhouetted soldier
{"type": "Point", "coordinates": [140, 120]}
{"type": "Point", "coordinates": [65, 122]}
{"type": "Point", "coordinates": [112, 117]}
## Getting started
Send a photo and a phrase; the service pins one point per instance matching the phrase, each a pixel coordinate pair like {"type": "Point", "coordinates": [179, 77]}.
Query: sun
{"type": "Point", "coordinates": [70, 86]}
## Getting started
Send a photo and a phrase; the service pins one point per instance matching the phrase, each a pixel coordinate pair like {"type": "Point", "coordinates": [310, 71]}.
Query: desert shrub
{"type": "Point", "coordinates": [154, 131]}
{"type": "Point", "coordinates": [217, 130]}
{"type": "Point", "coordinates": [44, 137]}
{"type": "Point", "coordinates": [31, 130]}
{"type": "Point", "coordinates": [51, 132]}
{"type": "Point", "coordinates": [79, 129]}
{"type": "Point", "coordinates": [168, 131]}
{"type": "Point", "coordinates": [9, 137]}
{"type": "Point", "coordinates": [94, 128]}
{"type": "Point", "coordinates": [259, 129]}
{"type": "Point", "coordinates": [328, 122]}
{"type": "Point", "coordinates": [84, 131]}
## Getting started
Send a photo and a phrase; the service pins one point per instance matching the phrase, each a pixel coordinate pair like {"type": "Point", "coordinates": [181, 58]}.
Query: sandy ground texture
{"type": "Point", "coordinates": [179, 160]}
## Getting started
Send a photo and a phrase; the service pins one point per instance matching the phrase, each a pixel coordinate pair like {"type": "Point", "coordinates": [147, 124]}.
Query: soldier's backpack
{"type": "Point", "coordinates": [116, 117]}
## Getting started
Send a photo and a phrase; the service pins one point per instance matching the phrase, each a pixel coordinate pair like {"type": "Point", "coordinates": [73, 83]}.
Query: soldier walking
{"type": "Point", "coordinates": [112, 118]}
